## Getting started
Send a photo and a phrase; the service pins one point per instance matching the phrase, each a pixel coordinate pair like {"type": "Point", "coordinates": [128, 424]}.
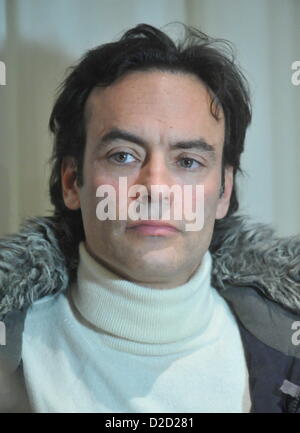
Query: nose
{"type": "Point", "coordinates": [155, 171]}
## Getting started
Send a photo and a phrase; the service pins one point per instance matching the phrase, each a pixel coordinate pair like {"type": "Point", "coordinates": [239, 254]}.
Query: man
{"type": "Point", "coordinates": [141, 314]}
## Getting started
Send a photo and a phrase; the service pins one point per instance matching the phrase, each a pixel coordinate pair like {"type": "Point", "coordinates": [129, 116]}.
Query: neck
{"type": "Point", "coordinates": [173, 280]}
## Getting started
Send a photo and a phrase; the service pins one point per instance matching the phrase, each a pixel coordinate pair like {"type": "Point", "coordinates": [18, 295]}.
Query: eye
{"type": "Point", "coordinates": [122, 157]}
{"type": "Point", "coordinates": [189, 163]}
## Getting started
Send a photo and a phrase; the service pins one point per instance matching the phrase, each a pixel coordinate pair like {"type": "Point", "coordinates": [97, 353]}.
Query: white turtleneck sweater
{"type": "Point", "coordinates": [110, 345]}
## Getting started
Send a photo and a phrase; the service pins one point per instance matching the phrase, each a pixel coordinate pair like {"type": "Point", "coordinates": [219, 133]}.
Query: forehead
{"type": "Point", "coordinates": [168, 103]}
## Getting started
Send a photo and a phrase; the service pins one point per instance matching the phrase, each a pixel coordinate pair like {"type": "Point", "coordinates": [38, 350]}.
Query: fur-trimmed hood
{"type": "Point", "coordinates": [33, 264]}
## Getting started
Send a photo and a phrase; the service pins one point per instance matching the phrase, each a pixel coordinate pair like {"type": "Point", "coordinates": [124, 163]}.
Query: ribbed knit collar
{"type": "Point", "coordinates": [126, 310]}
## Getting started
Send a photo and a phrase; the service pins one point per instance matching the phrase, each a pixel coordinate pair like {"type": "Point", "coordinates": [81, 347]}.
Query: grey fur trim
{"type": "Point", "coordinates": [250, 254]}
{"type": "Point", "coordinates": [33, 265]}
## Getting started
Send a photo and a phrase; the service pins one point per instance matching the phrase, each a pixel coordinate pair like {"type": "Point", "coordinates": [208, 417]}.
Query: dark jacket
{"type": "Point", "coordinates": [257, 273]}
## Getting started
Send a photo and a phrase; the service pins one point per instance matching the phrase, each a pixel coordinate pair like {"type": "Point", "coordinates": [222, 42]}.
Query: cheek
{"type": "Point", "coordinates": [88, 192]}
{"type": "Point", "coordinates": [211, 196]}
{"type": "Point", "coordinates": [99, 177]}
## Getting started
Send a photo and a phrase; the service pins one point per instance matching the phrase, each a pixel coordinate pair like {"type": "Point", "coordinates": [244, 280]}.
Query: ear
{"type": "Point", "coordinates": [70, 188]}
{"type": "Point", "coordinates": [224, 200]}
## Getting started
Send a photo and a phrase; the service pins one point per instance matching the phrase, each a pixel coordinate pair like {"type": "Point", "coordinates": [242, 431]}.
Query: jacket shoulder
{"type": "Point", "coordinates": [270, 322]}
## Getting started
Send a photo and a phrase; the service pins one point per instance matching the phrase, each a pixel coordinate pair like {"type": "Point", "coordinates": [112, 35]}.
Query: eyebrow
{"type": "Point", "coordinates": [120, 134]}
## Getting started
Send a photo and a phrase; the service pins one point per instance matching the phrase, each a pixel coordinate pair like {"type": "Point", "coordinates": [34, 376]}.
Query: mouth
{"type": "Point", "coordinates": [153, 228]}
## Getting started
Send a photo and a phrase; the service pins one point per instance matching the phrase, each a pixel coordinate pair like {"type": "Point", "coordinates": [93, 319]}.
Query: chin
{"type": "Point", "coordinates": [155, 262]}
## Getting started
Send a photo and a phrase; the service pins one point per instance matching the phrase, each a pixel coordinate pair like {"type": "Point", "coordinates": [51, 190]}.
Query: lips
{"type": "Point", "coordinates": [153, 228]}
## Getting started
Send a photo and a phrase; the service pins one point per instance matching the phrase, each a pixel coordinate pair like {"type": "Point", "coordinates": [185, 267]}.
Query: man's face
{"type": "Point", "coordinates": [158, 120]}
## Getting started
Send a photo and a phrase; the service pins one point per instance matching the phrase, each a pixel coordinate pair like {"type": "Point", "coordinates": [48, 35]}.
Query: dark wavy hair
{"type": "Point", "coordinates": [143, 48]}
